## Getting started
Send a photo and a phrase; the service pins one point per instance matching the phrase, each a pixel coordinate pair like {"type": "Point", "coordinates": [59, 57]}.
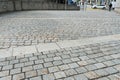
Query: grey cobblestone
{"type": "Point", "coordinates": [18, 76]}
{"type": "Point", "coordinates": [73, 65]}
{"type": "Point", "coordinates": [56, 63]}
{"type": "Point", "coordinates": [101, 72]}
{"type": "Point", "coordinates": [7, 67]}
{"type": "Point", "coordinates": [66, 61]}
{"type": "Point", "coordinates": [6, 78]}
{"type": "Point", "coordinates": [53, 69]}
{"type": "Point", "coordinates": [59, 75]}
{"type": "Point", "coordinates": [48, 77]}
{"type": "Point", "coordinates": [39, 61]}
{"type": "Point", "coordinates": [30, 74]}
{"type": "Point", "coordinates": [15, 71]}
{"type": "Point", "coordinates": [64, 67]}
{"type": "Point", "coordinates": [81, 70]}
{"type": "Point", "coordinates": [111, 70]}
{"type": "Point", "coordinates": [80, 77]}
{"type": "Point", "coordinates": [36, 78]}
{"type": "Point", "coordinates": [39, 66]}
{"type": "Point", "coordinates": [70, 72]}
{"type": "Point", "coordinates": [19, 65]}
{"type": "Point", "coordinates": [4, 73]}
{"type": "Point", "coordinates": [91, 75]}
{"type": "Point", "coordinates": [42, 71]}
{"type": "Point", "coordinates": [69, 78]}
{"type": "Point", "coordinates": [91, 67]}
{"type": "Point", "coordinates": [48, 64]}
{"type": "Point", "coordinates": [29, 63]}
{"type": "Point", "coordinates": [28, 68]}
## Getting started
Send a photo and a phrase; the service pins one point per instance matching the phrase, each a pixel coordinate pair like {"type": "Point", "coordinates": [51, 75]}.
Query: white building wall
{"type": "Point", "coordinates": [118, 3]}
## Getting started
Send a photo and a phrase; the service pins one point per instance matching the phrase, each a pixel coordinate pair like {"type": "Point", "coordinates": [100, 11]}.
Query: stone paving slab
{"type": "Point", "coordinates": [21, 50]}
{"type": "Point", "coordinates": [27, 28]}
{"type": "Point", "coordinates": [98, 61]}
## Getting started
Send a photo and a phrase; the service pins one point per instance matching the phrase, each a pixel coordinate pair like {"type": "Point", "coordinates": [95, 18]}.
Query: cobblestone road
{"type": "Point", "coordinates": [33, 27]}
{"type": "Point", "coordinates": [89, 62]}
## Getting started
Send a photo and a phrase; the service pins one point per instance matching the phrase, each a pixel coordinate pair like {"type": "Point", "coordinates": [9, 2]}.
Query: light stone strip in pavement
{"type": "Point", "coordinates": [98, 61]}
{"type": "Point", "coordinates": [21, 50]}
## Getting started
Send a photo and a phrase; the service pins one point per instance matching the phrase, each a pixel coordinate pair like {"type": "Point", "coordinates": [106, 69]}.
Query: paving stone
{"type": "Point", "coordinates": [114, 77]}
{"type": "Point", "coordinates": [7, 67]}
{"type": "Point", "coordinates": [110, 70]}
{"type": "Point", "coordinates": [28, 55]}
{"type": "Point", "coordinates": [30, 74]}
{"type": "Point", "coordinates": [109, 63]}
{"type": "Point", "coordinates": [64, 67]}
{"type": "Point", "coordinates": [10, 58]}
{"type": "Point", "coordinates": [18, 65]}
{"type": "Point", "coordinates": [33, 58]}
{"type": "Point", "coordinates": [101, 72]}
{"type": "Point", "coordinates": [99, 65]}
{"type": "Point", "coordinates": [70, 72]}
{"type": "Point", "coordinates": [42, 56]}
{"type": "Point", "coordinates": [116, 61]}
{"type": "Point", "coordinates": [48, 77]}
{"type": "Point", "coordinates": [104, 78]}
{"type": "Point", "coordinates": [24, 60]}
{"type": "Point", "coordinates": [80, 77]}
{"type": "Point", "coordinates": [39, 61]}
{"type": "Point", "coordinates": [14, 61]}
{"type": "Point", "coordinates": [48, 64]}
{"type": "Point", "coordinates": [51, 55]}
{"type": "Point", "coordinates": [65, 56]}
{"type": "Point", "coordinates": [6, 78]}
{"type": "Point", "coordinates": [29, 63]}
{"type": "Point", "coordinates": [4, 73]}
{"type": "Point", "coordinates": [81, 70]}
{"type": "Point", "coordinates": [4, 63]}
{"type": "Point", "coordinates": [90, 67]}
{"type": "Point", "coordinates": [42, 71]}
{"type": "Point", "coordinates": [2, 59]}
{"type": "Point", "coordinates": [48, 59]}
{"type": "Point", "coordinates": [117, 67]}
{"type": "Point", "coordinates": [108, 57]}
{"type": "Point", "coordinates": [56, 63]}
{"type": "Point", "coordinates": [18, 76]}
{"type": "Point", "coordinates": [91, 61]}
{"type": "Point", "coordinates": [36, 78]}
{"type": "Point", "coordinates": [69, 78]}
{"type": "Point", "coordinates": [65, 61]}
{"type": "Point", "coordinates": [28, 68]}
{"type": "Point", "coordinates": [53, 69]}
{"type": "Point", "coordinates": [73, 65]}
{"type": "Point", "coordinates": [15, 71]}
{"type": "Point", "coordinates": [57, 58]}
{"type": "Point", "coordinates": [75, 59]}
{"type": "Point", "coordinates": [91, 75]}
{"type": "Point", "coordinates": [101, 59]}
{"type": "Point", "coordinates": [39, 66]}
{"type": "Point", "coordinates": [84, 58]}
{"type": "Point", "coordinates": [82, 63]}
{"type": "Point", "coordinates": [59, 75]}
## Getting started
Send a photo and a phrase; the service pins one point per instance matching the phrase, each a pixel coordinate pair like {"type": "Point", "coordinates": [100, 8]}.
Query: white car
{"type": "Point", "coordinates": [99, 7]}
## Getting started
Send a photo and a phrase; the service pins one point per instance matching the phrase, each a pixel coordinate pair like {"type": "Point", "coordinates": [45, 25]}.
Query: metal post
{"type": "Point", "coordinates": [65, 4]}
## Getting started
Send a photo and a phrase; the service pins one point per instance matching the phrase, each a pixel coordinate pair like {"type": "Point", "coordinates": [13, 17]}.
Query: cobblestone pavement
{"type": "Point", "coordinates": [100, 61]}
{"type": "Point", "coordinates": [34, 27]}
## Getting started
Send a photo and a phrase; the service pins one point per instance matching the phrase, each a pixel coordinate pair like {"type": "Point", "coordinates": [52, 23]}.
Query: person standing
{"type": "Point", "coordinates": [110, 6]}
{"type": "Point", "coordinates": [113, 4]}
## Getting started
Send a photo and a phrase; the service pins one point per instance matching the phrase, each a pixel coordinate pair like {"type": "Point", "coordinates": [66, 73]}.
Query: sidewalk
{"type": "Point", "coordinates": [92, 59]}
{"type": "Point", "coordinates": [22, 50]}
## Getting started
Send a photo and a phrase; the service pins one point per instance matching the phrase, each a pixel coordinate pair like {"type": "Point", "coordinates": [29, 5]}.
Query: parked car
{"type": "Point", "coordinates": [98, 6]}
